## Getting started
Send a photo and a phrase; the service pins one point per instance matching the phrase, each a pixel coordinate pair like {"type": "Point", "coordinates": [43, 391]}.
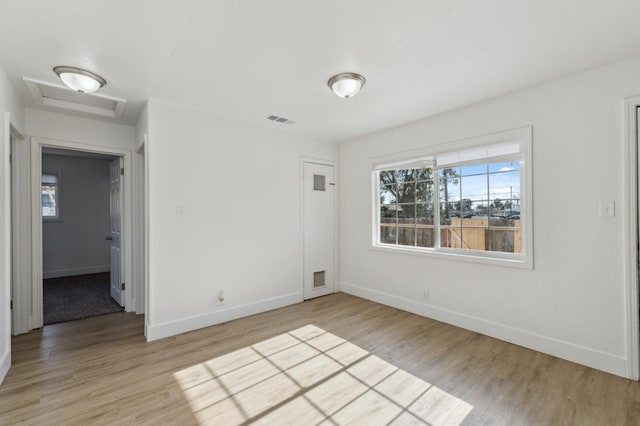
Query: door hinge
{"type": "Point", "coordinates": [11, 304]}
{"type": "Point", "coordinates": [121, 171]}
{"type": "Point", "coordinates": [122, 286]}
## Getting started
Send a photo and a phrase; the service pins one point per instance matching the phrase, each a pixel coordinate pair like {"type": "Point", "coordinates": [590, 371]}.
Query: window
{"type": "Point", "coordinates": [50, 196]}
{"type": "Point", "coordinates": [470, 200]}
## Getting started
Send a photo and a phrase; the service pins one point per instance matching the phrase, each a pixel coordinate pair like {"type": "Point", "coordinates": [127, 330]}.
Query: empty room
{"type": "Point", "coordinates": [305, 213]}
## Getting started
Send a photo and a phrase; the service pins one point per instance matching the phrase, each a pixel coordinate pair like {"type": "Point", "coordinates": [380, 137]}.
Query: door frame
{"type": "Point", "coordinates": [37, 143]}
{"type": "Point", "coordinates": [303, 160]}
{"type": "Point", "coordinates": [6, 232]}
{"type": "Point", "coordinates": [631, 238]}
{"type": "Point", "coordinates": [20, 227]}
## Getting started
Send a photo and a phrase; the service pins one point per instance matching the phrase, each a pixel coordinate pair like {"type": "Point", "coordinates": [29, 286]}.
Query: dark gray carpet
{"type": "Point", "coordinates": [81, 296]}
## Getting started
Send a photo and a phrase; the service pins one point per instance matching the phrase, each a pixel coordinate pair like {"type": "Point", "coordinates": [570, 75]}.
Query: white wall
{"type": "Point", "coordinates": [240, 191]}
{"type": "Point", "coordinates": [75, 244]}
{"type": "Point", "coordinates": [75, 129]}
{"type": "Point", "coordinates": [572, 304]}
{"type": "Point", "coordinates": [9, 104]}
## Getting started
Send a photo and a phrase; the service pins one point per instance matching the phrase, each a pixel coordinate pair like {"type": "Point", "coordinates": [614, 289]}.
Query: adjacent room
{"type": "Point", "coordinates": [76, 235]}
{"type": "Point", "coordinates": [319, 213]}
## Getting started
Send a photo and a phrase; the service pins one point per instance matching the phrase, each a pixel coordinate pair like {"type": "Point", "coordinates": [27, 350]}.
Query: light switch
{"type": "Point", "coordinates": [607, 208]}
{"type": "Point", "coordinates": [179, 212]}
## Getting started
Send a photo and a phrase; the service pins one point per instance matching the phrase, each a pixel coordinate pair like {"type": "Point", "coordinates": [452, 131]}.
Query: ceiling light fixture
{"type": "Point", "coordinates": [346, 85]}
{"type": "Point", "coordinates": [80, 80]}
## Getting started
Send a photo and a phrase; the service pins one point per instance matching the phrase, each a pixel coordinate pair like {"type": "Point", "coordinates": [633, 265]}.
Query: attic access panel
{"type": "Point", "coordinates": [57, 96]}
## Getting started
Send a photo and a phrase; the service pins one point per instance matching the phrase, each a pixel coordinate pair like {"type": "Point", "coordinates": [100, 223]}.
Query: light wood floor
{"type": "Point", "coordinates": [333, 360]}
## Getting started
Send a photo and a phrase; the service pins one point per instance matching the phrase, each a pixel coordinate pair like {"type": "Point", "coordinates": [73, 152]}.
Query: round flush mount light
{"type": "Point", "coordinates": [346, 85]}
{"type": "Point", "coordinates": [80, 80]}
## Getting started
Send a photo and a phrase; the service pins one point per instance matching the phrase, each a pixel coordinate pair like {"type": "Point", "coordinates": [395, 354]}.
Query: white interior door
{"type": "Point", "coordinates": [115, 214]}
{"type": "Point", "coordinates": [319, 229]}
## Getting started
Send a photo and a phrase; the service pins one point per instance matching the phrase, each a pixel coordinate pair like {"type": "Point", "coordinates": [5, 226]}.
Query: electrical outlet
{"type": "Point", "coordinates": [425, 294]}
{"type": "Point", "coordinates": [220, 298]}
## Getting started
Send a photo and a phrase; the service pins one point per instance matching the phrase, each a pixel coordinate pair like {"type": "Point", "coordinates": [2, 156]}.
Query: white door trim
{"type": "Point", "coordinates": [5, 246]}
{"type": "Point", "coordinates": [304, 160]}
{"type": "Point", "coordinates": [631, 236]}
{"type": "Point", "coordinates": [20, 230]}
{"type": "Point", "coordinates": [139, 247]}
{"type": "Point", "coordinates": [37, 143]}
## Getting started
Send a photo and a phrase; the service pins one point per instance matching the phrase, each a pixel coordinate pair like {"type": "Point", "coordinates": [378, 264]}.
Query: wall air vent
{"type": "Point", "coordinates": [318, 279]}
{"type": "Point", "coordinates": [57, 96]}
{"type": "Point", "coordinates": [280, 119]}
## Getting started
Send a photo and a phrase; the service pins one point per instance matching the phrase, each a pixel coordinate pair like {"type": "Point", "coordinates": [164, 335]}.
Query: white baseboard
{"type": "Point", "coordinates": [171, 328]}
{"type": "Point", "coordinates": [76, 271]}
{"type": "Point", "coordinates": [593, 358]}
{"type": "Point", "coordinates": [5, 364]}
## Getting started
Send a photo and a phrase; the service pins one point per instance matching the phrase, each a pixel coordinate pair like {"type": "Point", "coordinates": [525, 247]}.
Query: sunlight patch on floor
{"type": "Point", "coordinates": [310, 376]}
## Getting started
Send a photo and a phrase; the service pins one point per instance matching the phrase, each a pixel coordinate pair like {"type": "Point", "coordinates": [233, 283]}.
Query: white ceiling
{"type": "Point", "coordinates": [246, 60]}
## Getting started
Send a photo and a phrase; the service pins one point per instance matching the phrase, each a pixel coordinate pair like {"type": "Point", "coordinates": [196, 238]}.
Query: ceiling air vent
{"type": "Point", "coordinates": [57, 96]}
{"type": "Point", "coordinates": [280, 119]}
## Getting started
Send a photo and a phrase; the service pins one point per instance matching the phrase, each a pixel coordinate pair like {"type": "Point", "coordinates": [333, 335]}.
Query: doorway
{"type": "Point", "coordinates": [81, 233]}
{"type": "Point", "coordinates": [319, 225]}
{"type": "Point", "coordinates": [29, 309]}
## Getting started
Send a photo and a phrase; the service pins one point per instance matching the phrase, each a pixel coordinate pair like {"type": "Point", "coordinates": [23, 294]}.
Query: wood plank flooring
{"type": "Point", "coordinates": [337, 359]}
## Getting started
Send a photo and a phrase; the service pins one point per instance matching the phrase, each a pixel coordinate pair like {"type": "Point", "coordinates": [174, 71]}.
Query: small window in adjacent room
{"type": "Point", "coordinates": [469, 199]}
{"type": "Point", "coordinates": [50, 196]}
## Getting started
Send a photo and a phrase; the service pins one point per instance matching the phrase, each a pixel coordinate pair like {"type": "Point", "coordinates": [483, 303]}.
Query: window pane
{"type": "Point", "coordinates": [424, 191]}
{"type": "Point", "coordinates": [406, 235]}
{"type": "Point", "coordinates": [504, 185]}
{"type": "Point", "coordinates": [473, 238]}
{"type": "Point", "coordinates": [450, 237]}
{"type": "Point", "coordinates": [445, 212]}
{"type": "Point", "coordinates": [504, 240]}
{"type": "Point", "coordinates": [449, 193]}
{"type": "Point", "coordinates": [388, 213]}
{"type": "Point", "coordinates": [405, 198]}
{"type": "Point", "coordinates": [504, 193]}
{"type": "Point", "coordinates": [387, 176]}
{"type": "Point", "coordinates": [407, 192]}
{"type": "Point", "coordinates": [407, 211]}
{"type": "Point", "coordinates": [411, 175]}
{"type": "Point", "coordinates": [388, 234]}
{"type": "Point", "coordinates": [480, 209]}
{"type": "Point", "coordinates": [425, 237]}
{"type": "Point", "coordinates": [388, 223]}
{"type": "Point", "coordinates": [425, 233]}
{"type": "Point", "coordinates": [406, 224]}
{"type": "Point", "coordinates": [504, 167]}
{"type": "Point", "coordinates": [474, 187]}
{"type": "Point", "coordinates": [49, 200]}
{"type": "Point", "coordinates": [388, 194]}
{"type": "Point", "coordinates": [424, 214]}
{"type": "Point", "coordinates": [473, 170]}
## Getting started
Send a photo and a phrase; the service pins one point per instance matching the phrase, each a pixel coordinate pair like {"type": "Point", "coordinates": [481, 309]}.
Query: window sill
{"type": "Point", "coordinates": [508, 260]}
{"type": "Point", "coordinates": [51, 219]}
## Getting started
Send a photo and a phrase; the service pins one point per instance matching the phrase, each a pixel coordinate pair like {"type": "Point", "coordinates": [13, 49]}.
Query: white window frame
{"type": "Point", "coordinates": [495, 147]}
{"type": "Point", "coordinates": [58, 216]}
